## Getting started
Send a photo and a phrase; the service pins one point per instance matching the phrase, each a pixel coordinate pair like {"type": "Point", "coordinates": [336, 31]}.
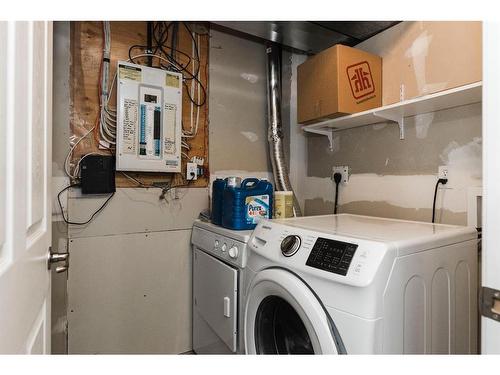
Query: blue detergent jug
{"type": "Point", "coordinates": [217, 196]}
{"type": "Point", "coordinates": [244, 206]}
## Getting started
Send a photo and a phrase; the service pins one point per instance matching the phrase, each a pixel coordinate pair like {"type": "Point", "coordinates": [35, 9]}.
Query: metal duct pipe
{"type": "Point", "coordinates": [275, 134]}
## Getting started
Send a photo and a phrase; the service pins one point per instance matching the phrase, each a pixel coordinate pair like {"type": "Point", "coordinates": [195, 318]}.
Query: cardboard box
{"type": "Point", "coordinates": [338, 81]}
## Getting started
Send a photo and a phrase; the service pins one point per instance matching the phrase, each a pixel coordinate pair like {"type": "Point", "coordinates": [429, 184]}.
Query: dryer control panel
{"type": "Point", "coordinates": [331, 255]}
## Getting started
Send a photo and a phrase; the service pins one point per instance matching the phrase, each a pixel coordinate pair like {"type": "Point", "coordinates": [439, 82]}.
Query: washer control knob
{"type": "Point", "coordinates": [233, 252]}
{"type": "Point", "coordinates": [223, 247]}
{"type": "Point", "coordinates": [290, 245]}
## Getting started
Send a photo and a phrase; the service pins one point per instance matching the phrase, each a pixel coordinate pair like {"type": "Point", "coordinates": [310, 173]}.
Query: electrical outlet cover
{"type": "Point", "coordinates": [344, 171]}
{"type": "Point", "coordinates": [191, 171]}
{"type": "Point", "coordinates": [443, 171]}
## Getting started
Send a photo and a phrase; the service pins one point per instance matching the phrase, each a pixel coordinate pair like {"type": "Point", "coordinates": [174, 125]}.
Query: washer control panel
{"type": "Point", "coordinates": [340, 257]}
{"type": "Point", "coordinates": [331, 255]}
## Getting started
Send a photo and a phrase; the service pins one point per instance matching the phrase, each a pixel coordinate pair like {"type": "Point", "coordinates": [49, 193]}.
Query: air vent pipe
{"type": "Point", "coordinates": [275, 133]}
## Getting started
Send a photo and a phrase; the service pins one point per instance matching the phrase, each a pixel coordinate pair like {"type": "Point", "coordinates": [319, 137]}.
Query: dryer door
{"type": "Point", "coordinates": [215, 298]}
{"type": "Point", "coordinates": [284, 316]}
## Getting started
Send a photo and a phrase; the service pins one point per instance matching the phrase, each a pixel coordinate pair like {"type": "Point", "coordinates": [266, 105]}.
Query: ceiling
{"type": "Point", "coordinates": [305, 36]}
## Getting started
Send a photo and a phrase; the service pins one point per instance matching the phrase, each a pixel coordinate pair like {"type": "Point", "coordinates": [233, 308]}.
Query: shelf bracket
{"type": "Point", "coordinates": [396, 117]}
{"type": "Point", "coordinates": [327, 133]}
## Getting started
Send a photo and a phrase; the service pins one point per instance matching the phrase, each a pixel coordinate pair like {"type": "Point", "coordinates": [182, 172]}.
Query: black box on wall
{"type": "Point", "coordinates": [98, 174]}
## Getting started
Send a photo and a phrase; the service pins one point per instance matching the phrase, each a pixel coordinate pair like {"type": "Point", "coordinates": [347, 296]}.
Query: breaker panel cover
{"type": "Point", "coordinates": [148, 133]}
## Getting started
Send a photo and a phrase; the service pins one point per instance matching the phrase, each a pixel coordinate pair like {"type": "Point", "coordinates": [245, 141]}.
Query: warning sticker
{"type": "Point", "coordinates": [170, 117]}
{"type": "Point", "coordinates": [130, 72]}
{"type": "Point", "coordinates": [130, 123]}
{"type": "Point", "coordinates": [172, 80]}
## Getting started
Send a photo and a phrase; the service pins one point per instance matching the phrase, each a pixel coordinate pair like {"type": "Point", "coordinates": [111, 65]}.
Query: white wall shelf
{"type": "Point", "coordinates": [397, 112]}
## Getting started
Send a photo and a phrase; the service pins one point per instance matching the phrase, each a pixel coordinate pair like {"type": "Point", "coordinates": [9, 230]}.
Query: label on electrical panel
{"type": "Point", "coordinates": [130, 121]}
{"type": "Point", "coordinates": [130, 72]}
{"type": "Point", "coordinates": [172, 80]}
{"type": "Point", "coordinates": [170, 118]}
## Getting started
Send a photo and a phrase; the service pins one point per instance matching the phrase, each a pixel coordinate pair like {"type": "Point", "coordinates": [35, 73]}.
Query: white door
{"type": "Point", "coordinates": [490, 329]}
{"type": "Point", "coordinates": [25, 172]}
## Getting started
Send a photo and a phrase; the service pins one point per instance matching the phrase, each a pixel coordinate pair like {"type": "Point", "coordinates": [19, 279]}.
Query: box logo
{"type": "Point", "coordinates": [360, 79]}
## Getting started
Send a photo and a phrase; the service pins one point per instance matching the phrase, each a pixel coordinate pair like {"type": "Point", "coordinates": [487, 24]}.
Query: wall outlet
{"type": "Point", "coordinates": [344, 171]}
{"type": "Point", "coordinates": [443, 171]}
{"type": "Point", "coordinates": [191, 171]}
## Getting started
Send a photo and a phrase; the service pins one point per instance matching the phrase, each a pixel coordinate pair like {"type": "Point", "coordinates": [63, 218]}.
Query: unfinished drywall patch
{"type": "Point", "coordinates": [384, 209]}
{"type": "Point", "coordinates": [238, 104]}
{"type": "Point", "coordinates": [427, 57]}
{"type": "Point", "coordinates": [466, 157]}
{"type": "Point", "coordinates": [320, 206]}
{"type": "Point", "coordinates": [401, 191]}
{"type": "Point", "coordinates": [377, 148]}
{"type": "Point", "coordinates": [251, 136]}
{"type": "Point", "coordinates": [419, 54]}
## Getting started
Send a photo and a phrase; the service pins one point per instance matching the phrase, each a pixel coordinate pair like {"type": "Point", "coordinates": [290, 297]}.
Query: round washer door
{"type": "Point", "coordinates": [283, 316]}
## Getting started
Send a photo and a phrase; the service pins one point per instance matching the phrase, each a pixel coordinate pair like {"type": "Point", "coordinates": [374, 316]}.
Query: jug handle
{"type": "Point", "coordinates": [246, 181]}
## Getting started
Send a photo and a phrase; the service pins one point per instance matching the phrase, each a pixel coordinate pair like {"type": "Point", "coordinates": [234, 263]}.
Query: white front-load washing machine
{"type": "Point", "coordinates": [358, 284]}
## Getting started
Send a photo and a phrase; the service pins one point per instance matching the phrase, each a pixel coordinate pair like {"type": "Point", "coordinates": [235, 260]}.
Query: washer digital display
{"type": "Point", "coordinates": [332, 256]}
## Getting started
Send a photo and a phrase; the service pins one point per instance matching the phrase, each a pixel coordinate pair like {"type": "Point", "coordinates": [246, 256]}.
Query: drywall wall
{"type": "Point", "coordinates": [238, 107]}
{"type": "Point", "coordinates": [392, 177]}
{"type": "Point", "coordinates": [427, 57]}
{"type": "Point", "coordinates": [130, 293]}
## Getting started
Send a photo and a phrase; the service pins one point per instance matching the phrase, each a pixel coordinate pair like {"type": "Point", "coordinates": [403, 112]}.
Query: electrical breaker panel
{"type": "Point", "coordinates": [148, 133]}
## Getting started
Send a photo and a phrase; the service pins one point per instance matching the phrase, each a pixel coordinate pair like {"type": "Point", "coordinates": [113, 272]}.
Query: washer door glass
{"type": "Point", "coordinates": [284, 316]}
{"type": "Point", "coordinates": [279, 329]}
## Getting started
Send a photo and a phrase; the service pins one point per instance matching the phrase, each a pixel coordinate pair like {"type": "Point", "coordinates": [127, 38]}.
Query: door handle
{"type": "Point", "coordinates": [61, 269]}
{"type": "Point", "coordinates": [58, 257]}
{"type": "Point", "coordinates": [227, 307]}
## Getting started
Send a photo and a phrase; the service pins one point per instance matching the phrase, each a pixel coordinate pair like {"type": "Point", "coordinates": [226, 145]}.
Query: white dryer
{"type": "Point", "coordinates": [358, 284]}
{"type": "Point", "coordinates": [219, 258]}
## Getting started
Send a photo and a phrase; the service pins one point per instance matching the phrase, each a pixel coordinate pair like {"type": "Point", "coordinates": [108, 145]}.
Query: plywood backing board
{"type": "Point", "coordinates": [86, 55]}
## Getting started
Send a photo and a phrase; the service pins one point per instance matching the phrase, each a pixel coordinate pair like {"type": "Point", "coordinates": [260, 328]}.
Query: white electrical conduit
{"type": "Point", "coordinates": [193, 131]}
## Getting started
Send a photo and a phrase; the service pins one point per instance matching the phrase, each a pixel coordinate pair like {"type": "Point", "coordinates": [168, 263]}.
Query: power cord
{"type": "Point", "coordinates": [337, 177]}
{"type": "Point", "coordinates": [74, 222]}
{"type": "Point", "coordinates": [440, 181]}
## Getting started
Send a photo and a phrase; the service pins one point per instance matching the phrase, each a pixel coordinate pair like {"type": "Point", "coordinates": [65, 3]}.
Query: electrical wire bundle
{"type": "Point", "coordinates": [168, 59]}
{"type": "Point", "coordinates": [107, 116]}
{"type": "Point", "coordinates": [169, 55]}
{"type": "Point", "coordinates": [107, 122]}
